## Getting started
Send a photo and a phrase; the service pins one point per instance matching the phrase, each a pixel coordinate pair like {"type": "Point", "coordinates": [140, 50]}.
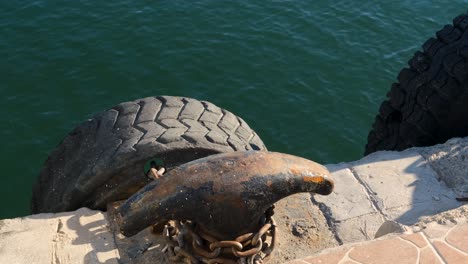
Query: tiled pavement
{"type": "Point", "coordinates": [436, 243]}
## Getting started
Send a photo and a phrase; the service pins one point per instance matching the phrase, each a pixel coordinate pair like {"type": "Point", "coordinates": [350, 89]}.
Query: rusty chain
{"type": "Point", "coordinates": [189, 242]}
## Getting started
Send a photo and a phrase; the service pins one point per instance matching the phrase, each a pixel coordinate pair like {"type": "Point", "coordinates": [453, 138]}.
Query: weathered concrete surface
{"type": "Point", "coordinates": [302, 229]}
{"type": "Point", "coordinates": [386, 186]}
{"type": "Point", "coordinates": [450, 161]}
{"type": "Point", "coordinates": [143, 248]}
{"type": "Point", "coordinates": [403, 186]}
{"type": "Point", "coordinates": [65, 238]}
{"type": "Point", "coordinates": [350, 212]}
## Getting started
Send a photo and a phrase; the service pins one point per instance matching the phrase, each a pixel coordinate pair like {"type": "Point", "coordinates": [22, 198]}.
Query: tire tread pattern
{"type": "Point", "coordinates": [123, 137]}
{"type": "Point", "coordinates": [420, 106]}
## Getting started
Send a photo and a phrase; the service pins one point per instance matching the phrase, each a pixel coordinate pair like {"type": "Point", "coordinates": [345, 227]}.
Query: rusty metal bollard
{"type": "Point", "coordinates": [226, 195]}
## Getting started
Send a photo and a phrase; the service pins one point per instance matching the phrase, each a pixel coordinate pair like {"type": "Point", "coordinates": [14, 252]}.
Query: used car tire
{"type": "Point", "coordinates": [102, 160]}
{"type": "Point", "coordinates": [429, 103]}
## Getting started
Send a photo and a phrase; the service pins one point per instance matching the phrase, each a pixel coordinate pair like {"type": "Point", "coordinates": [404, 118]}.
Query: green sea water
{"type": "Point", "coordinates": [308, 76]}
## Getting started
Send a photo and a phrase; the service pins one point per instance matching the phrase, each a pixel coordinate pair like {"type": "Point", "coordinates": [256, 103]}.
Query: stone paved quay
{"type": "Point", "coordinates": [389, 207]}
{"type": "Point", "coordinates": [440, 241]}
{"type": "Point", "coordinates": [394, 186]}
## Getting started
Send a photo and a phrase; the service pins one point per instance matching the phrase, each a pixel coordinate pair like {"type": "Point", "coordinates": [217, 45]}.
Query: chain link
{"type": "Point", "coordinates": [186, 241]}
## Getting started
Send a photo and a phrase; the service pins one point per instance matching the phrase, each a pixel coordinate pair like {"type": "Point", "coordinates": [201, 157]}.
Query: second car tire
{"type": "Point", "coordinates": [429, 103]}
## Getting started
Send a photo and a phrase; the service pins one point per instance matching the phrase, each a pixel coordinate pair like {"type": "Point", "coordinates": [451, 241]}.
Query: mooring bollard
{"type": "Point", "coordinates": [219, 208]}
